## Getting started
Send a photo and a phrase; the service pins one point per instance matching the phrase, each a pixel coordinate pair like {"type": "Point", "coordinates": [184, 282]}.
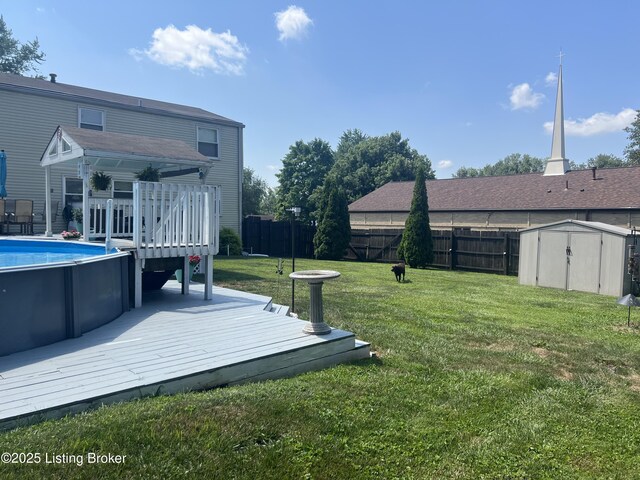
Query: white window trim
{"type": "Point", "coordinates": [104, 117]}
{"type": "Point", "coordinates": [206, 127]}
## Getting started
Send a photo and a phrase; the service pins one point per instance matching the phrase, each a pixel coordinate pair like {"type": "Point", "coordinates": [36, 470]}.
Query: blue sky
{"type": "Point", "coordinates": [468, 82]}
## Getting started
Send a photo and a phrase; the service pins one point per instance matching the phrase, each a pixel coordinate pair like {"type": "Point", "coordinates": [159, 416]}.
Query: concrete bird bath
{"type": "Point", "coordinates": [315, 279]}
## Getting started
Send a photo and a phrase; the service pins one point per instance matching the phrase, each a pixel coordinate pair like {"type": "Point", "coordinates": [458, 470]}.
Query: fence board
{"type": "Point", "coordinates": [457, 250]}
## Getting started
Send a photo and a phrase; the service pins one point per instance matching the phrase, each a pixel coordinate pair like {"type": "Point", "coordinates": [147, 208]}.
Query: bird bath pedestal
{"type": "Point", "coordinates": [315, 279]}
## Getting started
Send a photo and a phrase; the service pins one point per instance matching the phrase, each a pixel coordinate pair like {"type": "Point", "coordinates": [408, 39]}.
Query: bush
{"type": "Point", "coordinates": [231, 238]}
{"type": "Point", "coordinates": [334, 230]}
{"type": "Point", "coordinates": [416, 246]}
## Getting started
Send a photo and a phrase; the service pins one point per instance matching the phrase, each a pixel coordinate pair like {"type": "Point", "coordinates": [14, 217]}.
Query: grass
{"type": "Point", "coordinates": [475, 377]}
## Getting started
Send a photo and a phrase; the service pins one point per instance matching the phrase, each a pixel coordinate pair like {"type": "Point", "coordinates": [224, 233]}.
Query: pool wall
{"type": "Point", "coordinates": [44, 304]}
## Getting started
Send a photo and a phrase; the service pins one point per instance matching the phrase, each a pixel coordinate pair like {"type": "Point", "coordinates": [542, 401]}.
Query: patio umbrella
{"type": "Point", "coordinates": [3, 174]}
{"type": "Point", "coordinates": [630, 301]}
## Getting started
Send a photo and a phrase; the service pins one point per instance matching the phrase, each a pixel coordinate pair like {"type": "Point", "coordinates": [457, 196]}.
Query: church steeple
{"type": "Point", "coordinates": [558, 164]}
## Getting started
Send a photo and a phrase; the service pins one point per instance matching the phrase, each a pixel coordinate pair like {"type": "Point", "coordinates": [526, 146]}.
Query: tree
{"type": "Point", "coordinates": [365, 163]}
{"type": "Point", "coordinates": [303, 172]}
{"type": "Point", "coordinates": [16, 57]}
{"type": "Point", "coordinates": [416, 246]}
{"type": "Point", "coordinates": [515, 163]}
{"type": "Point", "coordinates": [255, 192]}
{"type": "Point", "coordinates": [602, 160]}
{"type": "Point", "coordinates": [334, 229]}
{"type": "Point", "coordinates": [632, 151]}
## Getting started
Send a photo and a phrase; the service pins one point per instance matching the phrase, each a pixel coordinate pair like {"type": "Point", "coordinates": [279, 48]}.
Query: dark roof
{"type": "Point", "coordinates": [139, 145]}
{"type": "Point", "coordinates": [45, 87]}
{"type": "Point", "coordinates": [614, 188]}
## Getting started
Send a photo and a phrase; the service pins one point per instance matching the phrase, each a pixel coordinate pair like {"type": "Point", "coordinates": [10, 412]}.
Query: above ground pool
{"type": "Point", "coordinates": [15, 253]}
{"type": "Point", "coordinates": [51, 290]}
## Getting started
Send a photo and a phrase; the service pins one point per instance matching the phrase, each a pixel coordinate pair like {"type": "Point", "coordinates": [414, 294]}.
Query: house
{"type": "Point", "coordinates": [33, 109]}
{"type": "Point", "coordinates": [509, 202]}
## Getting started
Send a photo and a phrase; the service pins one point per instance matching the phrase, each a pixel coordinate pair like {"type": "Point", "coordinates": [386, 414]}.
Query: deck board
{"type": "Point", "coordinates": [173, 343]}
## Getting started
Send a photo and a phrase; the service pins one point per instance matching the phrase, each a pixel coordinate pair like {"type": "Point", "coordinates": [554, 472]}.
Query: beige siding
{"type": "Point", "coordinates": [28, 122]}
{"type": "Point", "coordinates": [621, 219]}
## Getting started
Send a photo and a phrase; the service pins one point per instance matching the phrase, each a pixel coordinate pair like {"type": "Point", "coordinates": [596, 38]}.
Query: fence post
{"type": "Point", "coordinates": [506, 254]}
{"type": "Point", "coordinates": [452, 251]}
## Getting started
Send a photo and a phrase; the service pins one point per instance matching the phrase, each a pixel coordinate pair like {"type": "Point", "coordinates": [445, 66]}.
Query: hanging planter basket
{"type": "Point", "coordinates": [100, 180]}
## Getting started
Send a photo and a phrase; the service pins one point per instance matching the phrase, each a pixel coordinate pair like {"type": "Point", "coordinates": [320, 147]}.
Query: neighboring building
{"type": "Point", "coordinates": [32, 109]}
{"type": "Point", "coordinates": [513, 202]}
{"type": "Point", "coordinates": [510, 202]}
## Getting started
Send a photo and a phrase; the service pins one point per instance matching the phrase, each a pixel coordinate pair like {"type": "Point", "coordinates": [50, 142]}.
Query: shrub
{"type": "Point", "coordinates": [416, 246]}
{"type": "Point", "coordinates": [334, 230]}
{"type": "Point", "coordinates": [231, 238]}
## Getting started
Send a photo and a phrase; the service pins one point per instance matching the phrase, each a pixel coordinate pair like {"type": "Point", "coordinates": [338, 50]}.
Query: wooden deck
{"type": "Point", "coordinates": [173, 343]}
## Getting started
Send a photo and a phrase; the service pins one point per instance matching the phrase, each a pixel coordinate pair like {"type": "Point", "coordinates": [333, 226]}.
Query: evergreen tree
{"type": "Point", "coordinates": [416, 246]}
{"type": "Point", "coordinates": [334, 230]}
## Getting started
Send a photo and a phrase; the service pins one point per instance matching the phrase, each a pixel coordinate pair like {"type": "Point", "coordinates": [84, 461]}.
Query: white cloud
{"type": "Point", "coordinates": [597, 123]}
{"type": "Point", "coordinates": [196, 49]}
{"type": "Point", "coordinates": [292, 23]}
{"type": "Point", "coordinates": [551, 80]}
{"type": "Point", "coordinates": [273, 168]}
{"type": "Point", "coordinates": [445, 164]}
{"type": "Point", "coordinates": [522, 96]}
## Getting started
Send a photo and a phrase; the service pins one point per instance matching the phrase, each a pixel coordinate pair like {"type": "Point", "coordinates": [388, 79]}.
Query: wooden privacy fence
{"type": "Point", "coordinates": [274, 238]}
{"type": "Point", "coordinates": [495, 252]}
{"type": "Point", "coordinates": [480, 251]}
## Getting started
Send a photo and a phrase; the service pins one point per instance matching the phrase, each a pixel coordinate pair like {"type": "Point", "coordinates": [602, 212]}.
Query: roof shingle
{"type": "Point", "coordinates": [45, 87]}
{"type": "Point", "coordinates": [614, 188]}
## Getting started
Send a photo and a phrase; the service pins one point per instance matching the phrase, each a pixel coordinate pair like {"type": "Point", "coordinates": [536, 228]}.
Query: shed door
{"type": "Point", "coordinates": [584, 262]}
{"type": "Point", "coordinates": [552, 259]}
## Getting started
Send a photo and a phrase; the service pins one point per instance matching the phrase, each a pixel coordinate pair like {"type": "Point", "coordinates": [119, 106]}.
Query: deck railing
{"type": "Point", "coordinates": [163, 219]}
{"type": "Point", "coordinates": [122, 225]}
{"type": "Point", "coordinates": [173, 220]}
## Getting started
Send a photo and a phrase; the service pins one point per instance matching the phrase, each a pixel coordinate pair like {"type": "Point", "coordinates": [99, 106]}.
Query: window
{"type": "Point", "coordinates": [72, 190]}
{"type": "Point", "coordinates": [65, 146]}
{"type": "Point", "coordinates": [208, 142]}
{"type": "Point", "coordinates": [122, 189]}
{"type": "Point", "coordinates": [91, 119]}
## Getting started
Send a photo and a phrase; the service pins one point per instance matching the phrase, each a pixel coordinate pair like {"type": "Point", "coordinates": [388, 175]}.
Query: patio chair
{"type": "Point", "coordinates": [41, 218]}
{"type": "Point", "coordinates": [24, 216]}
{"type": "Point", "coordinates": [8, 214]}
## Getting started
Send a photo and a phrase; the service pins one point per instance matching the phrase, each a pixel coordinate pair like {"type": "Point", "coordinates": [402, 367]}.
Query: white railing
{"type": "Point", "coordinates": [122, 224]}
{"type": "Point", "coordinates": [173, 220]}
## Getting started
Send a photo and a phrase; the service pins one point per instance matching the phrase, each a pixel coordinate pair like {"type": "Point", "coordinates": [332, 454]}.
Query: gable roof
{"type": "Point", "coordinates": [614, 188]}
{"type": "Point", "coordinates": [9, 81]}
{"type": "Point", "coordinates": [121, 151]}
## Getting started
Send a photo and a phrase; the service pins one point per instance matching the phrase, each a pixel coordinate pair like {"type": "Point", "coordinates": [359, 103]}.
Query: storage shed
{"type": "Point", "coordinates": [576, 255]}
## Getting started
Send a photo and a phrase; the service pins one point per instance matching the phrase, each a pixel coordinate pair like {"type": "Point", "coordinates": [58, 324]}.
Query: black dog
{"type": "Point", "coordinates": [398, 269]}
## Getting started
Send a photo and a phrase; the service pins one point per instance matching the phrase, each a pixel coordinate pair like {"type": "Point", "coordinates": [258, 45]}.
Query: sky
{"type": "Point", "coordinates": [467, 82]}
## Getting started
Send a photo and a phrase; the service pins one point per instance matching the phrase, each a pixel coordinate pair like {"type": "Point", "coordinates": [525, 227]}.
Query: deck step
{"type": "Point", "coordinates": [280, 309]}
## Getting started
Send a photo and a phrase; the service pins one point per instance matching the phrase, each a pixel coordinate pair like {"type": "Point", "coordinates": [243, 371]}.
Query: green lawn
{"type": "Point", "coordinates": [475, 377]}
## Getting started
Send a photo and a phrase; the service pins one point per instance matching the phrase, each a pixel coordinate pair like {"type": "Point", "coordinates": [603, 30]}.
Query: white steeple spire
{"type": "Point", "coordinates": [558, 164]}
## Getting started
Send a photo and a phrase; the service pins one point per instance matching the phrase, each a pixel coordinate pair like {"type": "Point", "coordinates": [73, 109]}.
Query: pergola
{"type": "Point", "coordinates": [182, 220]}
{"type": "Point", "coordinates": [91, 149]}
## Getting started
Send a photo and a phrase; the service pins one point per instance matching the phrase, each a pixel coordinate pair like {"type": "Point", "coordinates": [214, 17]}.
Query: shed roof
{"type": "Point", "coordinates": [613, 188]}
{"type": "Point", "coordinates": [599, 226]}
{"type": "Point", "coordinates": [38, 86]}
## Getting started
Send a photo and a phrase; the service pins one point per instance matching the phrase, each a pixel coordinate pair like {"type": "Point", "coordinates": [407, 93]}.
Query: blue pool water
{"type": "Point", "coordinates": [14, 253]}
